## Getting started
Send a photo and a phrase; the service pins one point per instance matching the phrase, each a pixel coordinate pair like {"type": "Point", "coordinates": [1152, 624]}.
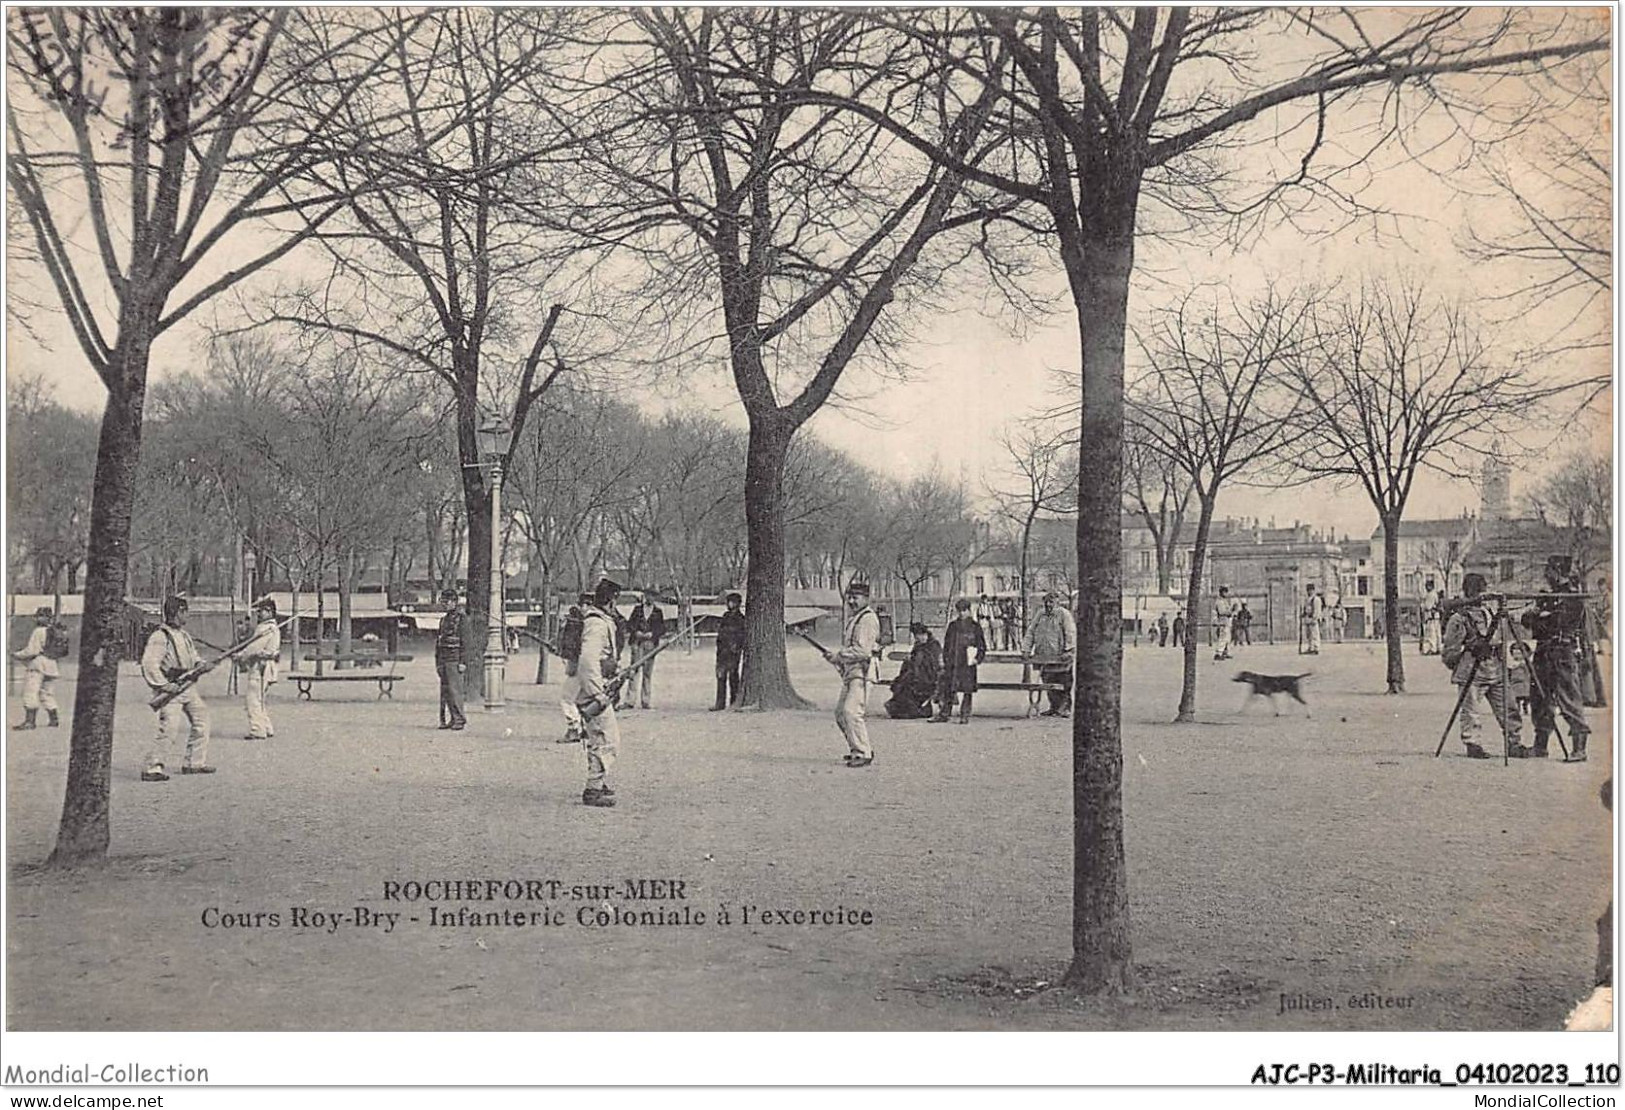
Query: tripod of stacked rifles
{"type": "Point", "coordinates": [1503, 636]}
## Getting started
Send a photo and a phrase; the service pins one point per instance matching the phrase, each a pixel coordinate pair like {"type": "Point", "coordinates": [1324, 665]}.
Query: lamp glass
{"type": "Point", "coordinates": [493, 438]}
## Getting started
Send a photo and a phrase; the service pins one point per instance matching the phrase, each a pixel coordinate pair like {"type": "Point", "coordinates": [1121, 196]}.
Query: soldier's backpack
{"type": "Point", "coordinates": [570, 639]}
{"type": "Point", "coordinates": [57, 644]}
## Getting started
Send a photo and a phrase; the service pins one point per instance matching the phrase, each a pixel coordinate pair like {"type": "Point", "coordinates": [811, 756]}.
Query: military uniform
{"type": "Point", "coordinates": [1224, 615]}
{"type": "Point", "coordinates": [259, 666]}
{"type": "Point", "coordinates": [170, 653]}
{"type": "Point", "coordinates": [1467, 638]}
{"type": "Point", "coordinates": [730, 658]}
{"type": "Point", "coordinates": [42, 673]}
{"type": "Point", "coordinates": [1557, 621]}
{"type": "Point", "coordinates": [1314, 608]}
{"type": "Point", "coordinates": [598, 662]}
{"type": "Point", "coordinates": [448, 663]}
{"type": "Point", "coordinates": [857, 660]}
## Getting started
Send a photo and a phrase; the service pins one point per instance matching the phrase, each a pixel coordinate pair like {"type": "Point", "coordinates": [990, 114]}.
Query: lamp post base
{"type": "Point", "coordinates": [496, 667]}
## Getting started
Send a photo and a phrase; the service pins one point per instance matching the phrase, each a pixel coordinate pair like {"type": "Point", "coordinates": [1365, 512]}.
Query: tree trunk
{"type": "Point", "coordinates": [1101, 956]}
{"type": "Point", "coordinates": [547, 610]}
{"type": "Point", "coordinates": [1390, 602]}
{"type": "Point", "coordinates": [346, 585]}
{"type": "Point", "coordinates": [1193, 610]}
{"type": "Point", "coordinates": [477, 502]}
{"type": "Point", "coordinates": [767, 673]}
{"type": "Point", "coordinates": [85, 830]}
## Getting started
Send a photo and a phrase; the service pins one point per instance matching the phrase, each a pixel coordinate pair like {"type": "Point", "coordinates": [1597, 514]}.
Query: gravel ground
{"type": "Point", "coordinates": [1285, 872]}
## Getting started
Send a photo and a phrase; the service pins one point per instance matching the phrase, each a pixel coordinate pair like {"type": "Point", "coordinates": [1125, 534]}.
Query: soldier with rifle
{"type": "Point", "coordinates": [1557, 621]}
{"type": "Point", "coordinates": [1473, 651]}
{"type": "Point", "coordinates": [597, 664]}
{"type": "Point", "coordinates": [171, 666]}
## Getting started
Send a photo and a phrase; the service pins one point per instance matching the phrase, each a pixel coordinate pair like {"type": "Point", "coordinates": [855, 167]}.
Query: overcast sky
{"type": "Point", "coordinates": [970, 377]}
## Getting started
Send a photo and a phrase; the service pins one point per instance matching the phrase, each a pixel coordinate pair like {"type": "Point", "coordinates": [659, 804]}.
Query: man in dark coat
{"type": "Point", "coordinates": [963, 644]}
{"type": "Point", "coordinates": [916, 684]}
{"type": "Point", "coordinates": [730, 654]}
{"type": "Point", "coordinates": [448, 660]}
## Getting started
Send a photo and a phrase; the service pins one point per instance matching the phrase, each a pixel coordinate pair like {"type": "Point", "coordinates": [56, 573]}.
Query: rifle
{"type": "Point", "coordinates": [189, 677]}
{"type": "Point", "coordinates": [829, 656]}
{"type": "Point", "coordinates": [612, 689]}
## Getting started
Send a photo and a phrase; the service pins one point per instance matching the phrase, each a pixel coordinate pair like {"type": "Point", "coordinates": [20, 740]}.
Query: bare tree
{"type": "Point", "coordinates": [446, 256]}
{"type": "Point", "coordinates": [1040, 480]}
{"type": "Point", "coordinates": [1559, 182]}
{"type": "Point", "coordinates": [50, 457]}
{"type": "Point", "coordinates": [1396, 381]}
{"type": "Point", "coordinates": [1211, 405]}
{"type": "Point", "coordinates": [139, 140]}
{"type": "Point", "coordinates": [1577, 501]}
{"type": "Point", "coordinates": [1158, 492]}
{"type": "Point", "coordinates": [794, 226]}
{"type": "Point", "coordinates": [1165, 110]}
{"type": "Point", "coordinates": [929, 529]}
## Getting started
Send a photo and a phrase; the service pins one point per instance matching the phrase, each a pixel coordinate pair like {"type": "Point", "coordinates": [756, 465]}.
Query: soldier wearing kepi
{"type": "Point", "coordinates": [169, 655]}
{"type": "Point", "coordinates": [1472, 651]}
{"type": "Point", "coordinates": [1314, 609]}
{"type": "Point", "coordinates": [448, 661]}
{"type": "Point", "coordinates": [46, 644]}
{"type": "Point", "coordinates": [258, 662]}
{"type": "Point", "coordinates": [598, 662]}
{"type": "Point", "coordinates": [858, 663]}
{"type": "Point", "coordinates": [1557, 620]}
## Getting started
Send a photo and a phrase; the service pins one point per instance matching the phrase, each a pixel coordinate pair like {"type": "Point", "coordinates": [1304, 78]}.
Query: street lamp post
{"type": "Point", "coordinates": [493, 439]}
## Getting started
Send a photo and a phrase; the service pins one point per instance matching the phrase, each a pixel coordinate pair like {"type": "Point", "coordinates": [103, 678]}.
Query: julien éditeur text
{"type": "Point", "coordinates": [514, 903]}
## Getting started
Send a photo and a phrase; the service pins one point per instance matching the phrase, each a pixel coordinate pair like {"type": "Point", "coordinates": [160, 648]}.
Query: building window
{"type": "Point", "coordinates": [1145, 562]}
{"type": "Point", "coordinates": [1362, 585]}
{"type": "Point", "coordinates": [1509, 569]}
{"type": "Point", "coordinates": [981, 586]}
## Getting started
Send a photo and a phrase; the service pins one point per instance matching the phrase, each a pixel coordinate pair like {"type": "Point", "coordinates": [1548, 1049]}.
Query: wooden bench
{"type": "Point", "coordinates": [1033, 687]}
{"type": "Point", "coordinates": [386, 682]}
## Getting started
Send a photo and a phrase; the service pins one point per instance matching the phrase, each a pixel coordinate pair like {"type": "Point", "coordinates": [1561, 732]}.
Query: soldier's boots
{"type": "Point", "coordinates": [55, 720]}
{"type": "Point", "coordinates": [601, 796]}
{"type": "Point", "coordinates": [1518, 751]}
{"type": "Point", "coordinates": [1474, 751]}
{"type": "Point", "coordinates": [28, 719]}
{"type": "Point", "coordinates": [1577, 742]}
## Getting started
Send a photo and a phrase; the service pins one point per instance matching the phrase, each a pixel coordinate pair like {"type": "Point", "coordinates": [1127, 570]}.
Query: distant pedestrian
{"type": "Point", "coordinates": [1162, 630]}
{"type": "Point", "coordinates": [984, 619]}
{"type": "Point", "coordinates": [1224, 613]}
{"type": "Point", "coordinates": [1179, 629]}
{"type": "Point", "coordinates": [730, 653]}
{"type": "Point", "coordinates": [963, 646]}
{"type": "Point", "coordinates": [47, 643]}
{"type": "Point", "coordinates": [448, 660]}
{"type": "Point", "coordinates": [1311, 614]}
{"type": "Point", "coordinates": [1244, 624]}
{"type": "Point", "coordinates": [1007, 622]}
{"type": "Point", "coordinates": [1340, 619]}
{"type": "Point", "coordinates": [1432, 618]}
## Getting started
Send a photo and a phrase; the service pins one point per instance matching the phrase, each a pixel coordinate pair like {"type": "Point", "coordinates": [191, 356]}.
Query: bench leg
{"type": "Point", "coordinates": [304, 689]}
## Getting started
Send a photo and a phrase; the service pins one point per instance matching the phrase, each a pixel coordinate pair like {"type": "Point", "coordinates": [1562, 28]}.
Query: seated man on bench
{"type": "Point", "coordinates": [916, 684]}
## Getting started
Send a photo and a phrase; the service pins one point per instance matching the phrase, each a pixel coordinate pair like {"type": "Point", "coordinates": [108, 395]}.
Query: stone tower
{"type": "Point", "coordinates": [1497, 488]}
